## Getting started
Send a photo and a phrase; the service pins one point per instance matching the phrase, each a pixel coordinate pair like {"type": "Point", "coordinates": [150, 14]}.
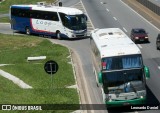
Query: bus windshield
{"type": "Point", "coordinates": [123, 81]}
{"type": "Point", "coordinates": [122, 62]}
{"type": "Point", "coordinates": [76, 22]}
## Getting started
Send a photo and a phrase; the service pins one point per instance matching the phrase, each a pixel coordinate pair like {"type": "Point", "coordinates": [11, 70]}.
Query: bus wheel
{"type": "Point", "coordinates": [58, 35]}
{"type": "Point", "coordinates": [28, 32]}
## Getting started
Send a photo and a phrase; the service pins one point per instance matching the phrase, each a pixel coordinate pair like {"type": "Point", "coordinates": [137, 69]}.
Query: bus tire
{"type": "Point", "coordinates": [58, 35]}
{"type": "Point", "coordinates": [28, 32]}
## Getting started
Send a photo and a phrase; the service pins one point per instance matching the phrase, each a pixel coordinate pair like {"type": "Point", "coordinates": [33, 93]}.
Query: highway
{"type": "Point", "coordinates": [114, 13]}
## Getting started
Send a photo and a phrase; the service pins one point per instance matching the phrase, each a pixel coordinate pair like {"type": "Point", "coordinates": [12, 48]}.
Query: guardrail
{"type": "Point", "coordinates": [155, 8]}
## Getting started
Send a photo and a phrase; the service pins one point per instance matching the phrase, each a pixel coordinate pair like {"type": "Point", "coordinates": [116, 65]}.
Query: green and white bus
{"type": "Point", "coordinates": [118, 66]}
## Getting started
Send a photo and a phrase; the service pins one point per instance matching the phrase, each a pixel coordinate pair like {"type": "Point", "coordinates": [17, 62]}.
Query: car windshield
{"type": "Point", "coordinates": [122, 62]}
{"type": "Point", "coordinates": [123, 81]}
{"type": "Point", "coordinates": [139, 31]}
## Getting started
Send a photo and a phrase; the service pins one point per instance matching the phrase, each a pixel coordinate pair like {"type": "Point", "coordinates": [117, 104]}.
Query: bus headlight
{"type": "Point", "coordinates": [146, 37]}
{"type": "Point", "coordinates": [141, 94]}
{"type": "Point", "coordinates": [141, 97]}
{"type": "Point", "coordinates": [136, 37]}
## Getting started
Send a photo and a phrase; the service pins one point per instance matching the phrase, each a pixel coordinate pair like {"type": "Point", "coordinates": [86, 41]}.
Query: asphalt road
{"type": "Point", "coordinates": [114, 13]}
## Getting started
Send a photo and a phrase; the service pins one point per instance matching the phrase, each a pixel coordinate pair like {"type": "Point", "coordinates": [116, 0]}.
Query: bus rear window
{"type": "Point", "coordinates": [122, 62]}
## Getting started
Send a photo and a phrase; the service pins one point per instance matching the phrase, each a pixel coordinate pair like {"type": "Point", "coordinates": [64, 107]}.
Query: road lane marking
{"type": "Point", "coordinates": [115, 18]}
{"type": "Point", "coordinates": [107, 9]}
{"type": "Point", "coordinates": [124, 29]}
{"type": "Point", "coordinates": [87, 15]}
{"type": "Point", "coordinates": [140, 16]}
{"type": "Point", "coordinates": [139, 46]}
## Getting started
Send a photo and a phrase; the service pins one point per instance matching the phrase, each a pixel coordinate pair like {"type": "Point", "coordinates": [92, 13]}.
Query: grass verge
{"type": "Point", "coordinates": [7, 3]}
{"type": "Point", "coordinates": [4, 20]}
{"type": "Point", "coordinates": [15, 50]}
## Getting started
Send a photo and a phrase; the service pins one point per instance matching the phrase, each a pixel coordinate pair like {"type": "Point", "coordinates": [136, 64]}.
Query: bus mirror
{"type": "Point", "coordinates": [147, 73]}
{"type": "Point", "coordinates": [100, 77]}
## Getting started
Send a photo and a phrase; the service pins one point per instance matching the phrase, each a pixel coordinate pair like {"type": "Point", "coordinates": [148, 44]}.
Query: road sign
{"type": "Point", "coordinates": [51, 67]}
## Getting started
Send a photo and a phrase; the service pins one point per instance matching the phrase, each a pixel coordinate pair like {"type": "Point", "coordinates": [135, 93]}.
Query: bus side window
{"type": "Point", "coordinates": [14, 11]}
{"type": "Point", "coordinates": [63, 19]}
{"type": "Point", "coordinates": [55, 16]}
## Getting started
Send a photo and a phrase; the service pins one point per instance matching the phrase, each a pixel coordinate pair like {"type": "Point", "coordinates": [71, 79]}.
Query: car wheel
{"type": "Point", "coordinates": [147, 41]}
{"type": "Point", "coordinates": [135, 41]}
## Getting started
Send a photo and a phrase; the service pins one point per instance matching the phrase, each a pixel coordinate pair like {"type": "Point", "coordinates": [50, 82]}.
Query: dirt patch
{"type": "Point", "coordinates": [144, 11]}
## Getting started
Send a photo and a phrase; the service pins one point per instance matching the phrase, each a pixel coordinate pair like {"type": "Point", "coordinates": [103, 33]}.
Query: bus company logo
{"type": "Point", "coordinates": [43, 22]}
{"type": "Point", "coordinates": [6, 107]}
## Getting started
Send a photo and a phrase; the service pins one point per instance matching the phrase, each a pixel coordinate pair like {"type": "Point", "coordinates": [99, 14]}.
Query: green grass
{"type": "Point", "coordinates": [7, 3]}
{"type": "Point", "coordinates": [4, 20]}
{"type": "Point", "coordinates": [15, 50]}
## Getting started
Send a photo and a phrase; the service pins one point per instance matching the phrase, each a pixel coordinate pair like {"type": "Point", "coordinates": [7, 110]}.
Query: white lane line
{"type": "Point", "coordinates": [87, 15]}
{"type": "Point", "coordinates": [140, 16]}
{"type": "Point", "coordinates": [115, 18]}
{"type": "Point", "coordinates": [159, 67]}
{"type": "Point", "coordinates": [139, 46]}
{"type": "Point", "coordinates": [124, 29]}
{"type": "Point", "coordinates": [107, 9]}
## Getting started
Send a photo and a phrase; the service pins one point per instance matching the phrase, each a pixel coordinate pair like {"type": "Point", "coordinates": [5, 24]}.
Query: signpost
{"type": "Point", "coordinates": [51, 67]}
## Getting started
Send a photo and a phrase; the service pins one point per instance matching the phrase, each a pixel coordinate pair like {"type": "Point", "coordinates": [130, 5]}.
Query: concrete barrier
{"type": "Point", "coordinates": [153, 7]}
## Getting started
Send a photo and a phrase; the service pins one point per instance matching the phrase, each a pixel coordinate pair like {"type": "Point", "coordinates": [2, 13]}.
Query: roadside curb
{"type": "Point", "coordinates": [5, 23]}
{"type": "Point", "coordinates": [82, 89]}
{"type": "Point", "coordinates": [75, 77]}
{"type": "Point", "coordinates": [71, 51]}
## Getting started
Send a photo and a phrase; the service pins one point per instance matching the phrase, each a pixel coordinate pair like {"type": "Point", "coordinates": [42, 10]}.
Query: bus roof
{"type": "Point", "coordinates": [65, 10]}
{"type": "Point", "coordinates": [113, 42]}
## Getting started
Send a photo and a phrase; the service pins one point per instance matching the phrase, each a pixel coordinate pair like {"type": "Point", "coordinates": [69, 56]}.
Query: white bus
{"type": "Point", "coordinates": [118, 66]}
{"type": "Point", "coordinates": [49, 20]}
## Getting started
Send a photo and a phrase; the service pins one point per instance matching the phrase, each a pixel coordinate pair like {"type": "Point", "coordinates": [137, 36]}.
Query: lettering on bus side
{"type": "Point", "coordinates": [43, 22]}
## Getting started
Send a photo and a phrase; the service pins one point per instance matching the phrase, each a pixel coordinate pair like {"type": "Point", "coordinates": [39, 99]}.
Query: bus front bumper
{"type": "Point", "coordinates": [139, 101]}
{"type": "Point", "coordinates": [79, 35]}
